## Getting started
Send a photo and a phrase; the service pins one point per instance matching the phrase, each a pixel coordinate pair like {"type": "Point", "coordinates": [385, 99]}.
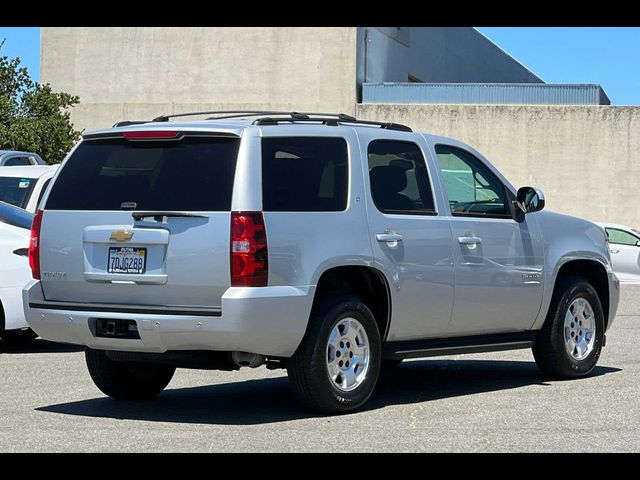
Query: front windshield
{"type": "Point", "coordinates": [16, 190]}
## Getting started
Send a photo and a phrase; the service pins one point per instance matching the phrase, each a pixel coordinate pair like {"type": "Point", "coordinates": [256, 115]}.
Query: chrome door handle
{"type": "Point", "coordinates": [389, 237]}
{"type": "Point", "coordinates": [613, 250]}
{"type": "Point", "coordinates": [469, 240]}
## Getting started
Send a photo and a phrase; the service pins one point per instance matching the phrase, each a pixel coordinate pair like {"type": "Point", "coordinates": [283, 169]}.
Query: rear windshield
{"type": "Point", "coordinates": [16, 191]}
{"type": "Point", "coordinates": [193, 174]}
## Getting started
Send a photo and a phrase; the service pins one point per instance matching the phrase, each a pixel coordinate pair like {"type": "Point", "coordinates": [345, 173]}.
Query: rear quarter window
{"type": "Point", "coordinates": [192, 174]}
{"type": "Point", "coordinates": [304, 174]}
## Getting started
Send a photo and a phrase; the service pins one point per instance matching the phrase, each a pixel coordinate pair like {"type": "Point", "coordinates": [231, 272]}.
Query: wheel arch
{"type": "Point", "coordinates": [594, 272]}
{"type": "Point", "coordinates": [368, 283]}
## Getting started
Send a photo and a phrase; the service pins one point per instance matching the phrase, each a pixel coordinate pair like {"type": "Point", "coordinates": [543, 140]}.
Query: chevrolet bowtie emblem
{"type": "Point", "coordinates": [121, 235]}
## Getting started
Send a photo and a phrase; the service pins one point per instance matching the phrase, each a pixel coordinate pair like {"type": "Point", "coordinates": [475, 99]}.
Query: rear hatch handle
{"type": "Point", "coordinates": [159, 215]}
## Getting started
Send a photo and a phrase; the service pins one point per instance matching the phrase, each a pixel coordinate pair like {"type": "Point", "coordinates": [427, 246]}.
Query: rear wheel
{"type": "Point", "coordinates": [127, 380]}
{"type": "Point", "coordinates": [336, 367]}
{"type": "Point", "coordinates": [570, 342]}
{"type": "Point", "coordinates": [18, 336]}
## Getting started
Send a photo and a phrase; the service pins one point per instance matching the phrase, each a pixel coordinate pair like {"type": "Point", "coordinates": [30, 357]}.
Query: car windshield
{"type": "Point", "coordinates": [16, 190]}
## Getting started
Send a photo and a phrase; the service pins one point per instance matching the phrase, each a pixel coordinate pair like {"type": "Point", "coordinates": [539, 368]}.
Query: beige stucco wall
{"type": "Point", "coordinates": [585, 158]}
{"type": "Point", "coordinates": [141, 72]}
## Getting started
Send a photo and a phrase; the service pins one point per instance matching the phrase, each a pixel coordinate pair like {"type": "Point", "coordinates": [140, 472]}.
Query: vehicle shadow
{"type": "Point", "coordinates": [38, 346]}
{"type": "Point", "coordinates": [265, 401]}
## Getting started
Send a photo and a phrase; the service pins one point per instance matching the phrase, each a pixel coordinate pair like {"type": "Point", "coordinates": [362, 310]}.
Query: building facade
{"type": "Point", "coordinates": [122, 73]}
{"type": "Point", "coordinates": [585, 157]}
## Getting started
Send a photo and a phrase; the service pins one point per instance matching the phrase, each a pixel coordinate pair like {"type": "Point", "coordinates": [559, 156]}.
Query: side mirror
{"type": "Point", "coordinates": [638, 243]}
{"type": "Point", "coordinates": [530, 199]}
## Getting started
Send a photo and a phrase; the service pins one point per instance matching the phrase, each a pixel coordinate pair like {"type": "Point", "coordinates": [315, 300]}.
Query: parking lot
{"type": "Point", "coordinates": [482, 402]}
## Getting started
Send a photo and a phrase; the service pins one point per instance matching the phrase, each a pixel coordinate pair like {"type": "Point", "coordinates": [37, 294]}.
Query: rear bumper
{"type": "Point", "coordinates": [264, 320]}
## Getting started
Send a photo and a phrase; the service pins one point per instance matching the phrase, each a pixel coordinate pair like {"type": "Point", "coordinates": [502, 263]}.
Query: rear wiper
{"type": "Point", "coordinates": [157, 216]}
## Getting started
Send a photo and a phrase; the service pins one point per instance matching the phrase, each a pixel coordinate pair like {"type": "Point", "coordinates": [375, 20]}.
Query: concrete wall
{"type": "Point", "coordinates": [435, 54]}
{"type": "Point", "coordinates": [585, 158]}
{"type": "Point", "coordinates": [142, 72]}
{"type": "Point", "coordinates": [138, 73]}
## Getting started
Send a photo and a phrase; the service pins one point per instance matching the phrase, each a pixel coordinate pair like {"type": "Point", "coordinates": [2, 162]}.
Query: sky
{"type": "Point", "coordinates": [23, 42]}
{"type": "Point", "coordinates": [609, 56]}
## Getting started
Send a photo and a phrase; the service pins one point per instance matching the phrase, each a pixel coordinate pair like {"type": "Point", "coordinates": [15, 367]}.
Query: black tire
{"type": "Point", "coordinates": [307, 369]}
{"type": "Point", "coordinates": [124, 380]}
{"type": "Point", "coordinates": [17, 337]}
{"type": "Point", "coordinates": [549, 349]}
{"type": "Point", "coordinates": [389, 365]}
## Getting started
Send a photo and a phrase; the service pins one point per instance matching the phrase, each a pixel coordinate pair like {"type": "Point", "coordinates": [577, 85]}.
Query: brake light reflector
{"type": "Point", "coordinates": [147, 135]}
{"type": "Point", "coordinates": [34, 245]}
{"type": "Point", "coordinates": [249, 252]}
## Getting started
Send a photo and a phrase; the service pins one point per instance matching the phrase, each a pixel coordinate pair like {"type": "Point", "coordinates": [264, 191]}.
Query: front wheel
{"type": "Point", "coordinates": [570, 342]}
{"type": "Point", "coordinates": [336, 367]}
{"type": "Point", "coordinates": [127, 380]}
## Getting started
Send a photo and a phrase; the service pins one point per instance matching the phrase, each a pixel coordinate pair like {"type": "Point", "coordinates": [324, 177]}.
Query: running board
{"type": "Point", "coordinates": [434, 347]}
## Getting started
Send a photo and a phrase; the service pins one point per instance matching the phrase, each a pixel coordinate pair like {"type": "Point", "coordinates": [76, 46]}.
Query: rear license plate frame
{"type": "Point", "coordinates": [127, 270]}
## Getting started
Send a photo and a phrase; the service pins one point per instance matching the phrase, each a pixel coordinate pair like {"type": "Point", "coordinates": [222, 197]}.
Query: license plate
{"type": "Point", "coordinates": [127, 260]}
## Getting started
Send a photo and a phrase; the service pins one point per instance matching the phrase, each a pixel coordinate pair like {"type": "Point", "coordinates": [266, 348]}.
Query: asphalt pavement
{"type": "Point", "coordinates": [465, 403]}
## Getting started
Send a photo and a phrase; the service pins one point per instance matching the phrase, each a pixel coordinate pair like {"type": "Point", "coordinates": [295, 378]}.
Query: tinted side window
{"type": "Point", "coordinates": [621, 237]}
{"type": "Point", "coordinates": [17, 161]}
{"type": "Point", "coordinates": [472, 188]}
{"type": "Point", "coordinates": [399, 178]}
{"type": "Point", "coordinates": [193, 174]}
{"type": "Point", "coordinates": [304, 174]}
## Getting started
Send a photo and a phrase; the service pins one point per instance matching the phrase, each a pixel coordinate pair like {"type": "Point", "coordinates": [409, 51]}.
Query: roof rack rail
{"type": "Point", "coordinates": [126, 123]}
{"type": "Point", "coordinates": [274, 117]}
{"type": "Point", "coordinates": [334, 122]}
{"type": "Point", "coordinates": [292, 115]}
{"type": "Point", "coordinates": [224, 114]}
{"type": "Point", "coordinates": [227, 113]}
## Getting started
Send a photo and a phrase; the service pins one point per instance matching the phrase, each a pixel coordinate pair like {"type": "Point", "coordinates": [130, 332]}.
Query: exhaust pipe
{"type": "Point", "coordinates": [244, 359]}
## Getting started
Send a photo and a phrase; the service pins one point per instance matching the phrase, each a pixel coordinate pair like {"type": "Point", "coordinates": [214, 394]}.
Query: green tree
{"type": "Point", "coordinates": [33, 117]}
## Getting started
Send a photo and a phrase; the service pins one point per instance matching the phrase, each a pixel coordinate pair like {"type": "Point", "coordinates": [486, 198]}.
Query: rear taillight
{"type": "Point", "coordinates": [34, 245]}
{"type": "Point", "coordinates": [249, 254]}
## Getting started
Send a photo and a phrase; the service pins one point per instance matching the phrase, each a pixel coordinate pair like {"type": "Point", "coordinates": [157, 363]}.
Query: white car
{"type": "Point", "coordinates": [624, 245]}
{"type": "Point", "coordinates": [24, 186]}
{"type": "Point", "coordinates": [21, 188]}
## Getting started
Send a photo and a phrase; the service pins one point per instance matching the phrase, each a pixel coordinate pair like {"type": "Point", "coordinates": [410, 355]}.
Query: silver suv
{"type": "Point", "coordinates": [319, 243]}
